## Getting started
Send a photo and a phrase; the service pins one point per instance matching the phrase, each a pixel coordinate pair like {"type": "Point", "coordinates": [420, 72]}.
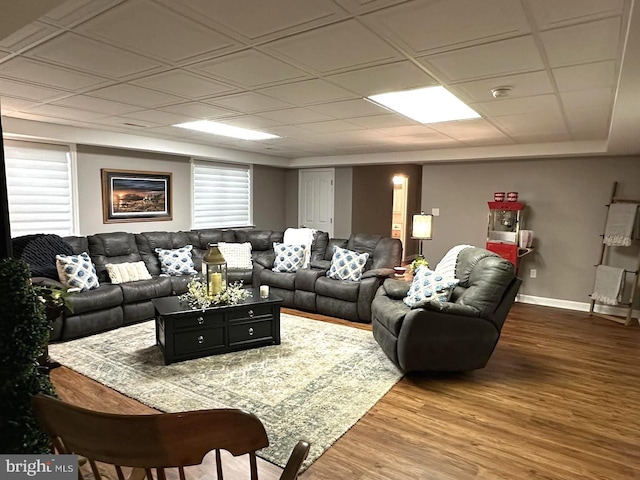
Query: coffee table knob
{"type": "Point", "coordinates": [200, 320]}
{"type": "Point", "coordinates": [250, 312]}
{"type": "Point", "coordinates": [200, 339]}
{"type": "Point", "coordinates": [250, 331]}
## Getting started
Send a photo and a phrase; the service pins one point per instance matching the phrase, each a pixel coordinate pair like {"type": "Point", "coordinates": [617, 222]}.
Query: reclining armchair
{"type": "Point", "coordinates": [456, 335]}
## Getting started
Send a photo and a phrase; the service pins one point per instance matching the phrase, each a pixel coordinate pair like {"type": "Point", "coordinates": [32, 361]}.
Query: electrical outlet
{"type": "Point", "coordinates": [435, 212]}
{"type": "Point", "coordinates": [533, 273]}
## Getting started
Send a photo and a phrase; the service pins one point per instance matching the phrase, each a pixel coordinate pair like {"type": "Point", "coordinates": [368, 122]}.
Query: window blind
{"type": "Point", "coordinates": [39, 188]}
{"type": "Point", "coordinates": [221, 195]}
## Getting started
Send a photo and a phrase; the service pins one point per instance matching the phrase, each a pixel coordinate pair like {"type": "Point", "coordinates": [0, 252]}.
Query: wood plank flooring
{"type": "Point", "coordinates": [559, 399]}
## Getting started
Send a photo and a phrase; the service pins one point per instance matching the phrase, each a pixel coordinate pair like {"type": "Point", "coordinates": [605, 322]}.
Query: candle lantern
{"type": "Point", "coordinates": [214, 270]}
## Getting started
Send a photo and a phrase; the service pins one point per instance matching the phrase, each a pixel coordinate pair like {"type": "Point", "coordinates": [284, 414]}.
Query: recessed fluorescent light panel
{"type": "Point", "coordinates": [216, 128]}
{"type": "Point", "coordinates": [426, 105]}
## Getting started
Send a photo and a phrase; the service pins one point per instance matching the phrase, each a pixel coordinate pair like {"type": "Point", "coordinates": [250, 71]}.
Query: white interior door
{"type": "Point", "coordinates": [315, 199]}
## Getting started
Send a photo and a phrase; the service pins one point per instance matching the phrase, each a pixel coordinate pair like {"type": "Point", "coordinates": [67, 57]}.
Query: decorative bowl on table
{"type": "Point", "coordinates": [399, 271]}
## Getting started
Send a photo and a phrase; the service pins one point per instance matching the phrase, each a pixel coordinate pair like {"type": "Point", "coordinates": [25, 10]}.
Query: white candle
{"type": "Point", "coordinates": [264, 291]}
{"type": "Point", "coordinates": [215, 283]}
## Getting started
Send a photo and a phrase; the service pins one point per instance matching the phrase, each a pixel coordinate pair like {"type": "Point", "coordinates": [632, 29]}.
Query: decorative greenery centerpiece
{"type": "Point", "coordinates": [24, 332]}
{"type": "Point", "coordinates": [197, 296]}
{"type": "Point", "coordinates": [417, 263]}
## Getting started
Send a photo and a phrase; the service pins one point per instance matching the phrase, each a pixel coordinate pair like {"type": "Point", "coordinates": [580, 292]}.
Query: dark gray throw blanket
{"type": "Point", "coordinates": [40, 251]}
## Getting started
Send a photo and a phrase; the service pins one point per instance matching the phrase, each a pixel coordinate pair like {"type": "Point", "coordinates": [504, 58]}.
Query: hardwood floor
{"type": "Point", "coordinates": [559, 399]}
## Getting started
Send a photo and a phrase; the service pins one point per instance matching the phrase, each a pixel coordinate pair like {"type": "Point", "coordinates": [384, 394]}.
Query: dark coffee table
{"type": "Point", "coordinates": [183, 333]}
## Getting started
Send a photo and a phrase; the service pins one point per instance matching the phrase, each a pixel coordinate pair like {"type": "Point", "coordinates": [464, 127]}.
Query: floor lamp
{"type": "Point", "coordinates": [422, 228]}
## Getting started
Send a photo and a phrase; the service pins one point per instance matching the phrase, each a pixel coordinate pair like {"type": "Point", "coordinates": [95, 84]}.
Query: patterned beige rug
{"type": "Point", "coordinates": [314, 386]}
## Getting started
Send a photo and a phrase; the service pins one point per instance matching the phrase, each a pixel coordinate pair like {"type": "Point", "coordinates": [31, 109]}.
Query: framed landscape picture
{"type": "Point", "coordinates": [135, 196]}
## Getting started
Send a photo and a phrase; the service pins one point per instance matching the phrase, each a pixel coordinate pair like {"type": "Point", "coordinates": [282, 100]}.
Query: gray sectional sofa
{"type": "Point", "coordinates": [114, 305]}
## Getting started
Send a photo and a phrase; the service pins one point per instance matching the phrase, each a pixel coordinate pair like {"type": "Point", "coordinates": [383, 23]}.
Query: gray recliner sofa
{"type": "Point", "coordinates": [457, 335]}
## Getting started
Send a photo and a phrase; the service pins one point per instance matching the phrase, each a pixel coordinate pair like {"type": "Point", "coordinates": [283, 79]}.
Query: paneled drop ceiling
{"type": "Point", "coordinates": [300, 69]}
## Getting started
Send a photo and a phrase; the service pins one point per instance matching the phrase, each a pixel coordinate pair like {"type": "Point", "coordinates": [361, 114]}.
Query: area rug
{"type": "Point", "coordinates": [314, 386]}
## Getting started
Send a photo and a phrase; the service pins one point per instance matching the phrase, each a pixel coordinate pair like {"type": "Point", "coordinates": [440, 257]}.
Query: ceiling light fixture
{"type": "Point", "coordinates": [500, 92]}
{"type": "Point", "coordinates": [215, 128]}
{"type": "Point", "coordinates": [426, 105]}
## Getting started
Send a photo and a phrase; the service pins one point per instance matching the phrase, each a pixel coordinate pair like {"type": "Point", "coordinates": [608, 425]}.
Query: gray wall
{"type": "Point", "coordinates": [343, 197]}
{"type": "Point", "coordinates": [291, 198]}
{"type": "Point", "coordinates": [565, 200]}
{"type": "Point", "coordinates": [268, 191]}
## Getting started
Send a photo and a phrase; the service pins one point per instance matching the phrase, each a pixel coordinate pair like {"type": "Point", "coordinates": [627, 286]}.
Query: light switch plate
{"type": "Point", "coordinates": [435, 212]}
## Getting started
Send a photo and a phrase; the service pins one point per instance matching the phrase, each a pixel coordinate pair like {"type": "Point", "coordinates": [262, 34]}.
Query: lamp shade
{"type": "Point", "coordinates": [422, 227]}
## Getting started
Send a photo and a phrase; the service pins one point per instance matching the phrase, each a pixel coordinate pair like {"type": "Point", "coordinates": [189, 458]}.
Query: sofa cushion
{"type": "Point", "coordinates": [288, 258]}
{"type": "Point", "coordinates": [147, 243]}
{"type": "Point", "coordinates": [115, 247]}
{"type": "Point", "coordinates": [259, 239]}
{"type": "Point", "coordinates": [347, 264]}
{"type": "Point", "coordinates": [237, 255]}
{"type": "Point", "coordinates": [341, 289]}
{"type": "Point", "coordinates": [278, 279]}
{"type": "Point", "coordinates": [428, 285]}
{"type": "Point", "coordinates": [390, 313]}
{"type": "Point", "coordinates": [127, 272]}
{"type": "Point", "coordinates": [176, 261]}
{"type": "Point", "coordinates": [77, 271]}
{"type": "Point", "coordinates": [146, 289]}
{"type": "Point", "coordinates": [103, 297]}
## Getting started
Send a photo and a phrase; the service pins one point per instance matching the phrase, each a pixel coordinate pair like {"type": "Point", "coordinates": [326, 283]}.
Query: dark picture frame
{"type": "Point", "coordinates": [136, 196]}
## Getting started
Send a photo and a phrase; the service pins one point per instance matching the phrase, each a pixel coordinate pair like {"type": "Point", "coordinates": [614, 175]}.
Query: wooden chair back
{"type": "Point", "coordinates": [157, 441]}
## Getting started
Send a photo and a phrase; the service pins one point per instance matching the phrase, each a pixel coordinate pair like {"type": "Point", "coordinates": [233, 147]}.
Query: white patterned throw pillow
{"type": "Point", "coordinates": [347, 264]}
{"type": "Point", "coordinates": [127, 272]}
{"type": "Point", "coordinates": [77, 271]}
{"type": "Point", "coordinates": [430, 285]}
{"type": "Point", "coordinates": [177, 261]}
{"type": "Point", "coordinates": [289, 258]}
{"type": "Point", "coordinates": [237, 255]}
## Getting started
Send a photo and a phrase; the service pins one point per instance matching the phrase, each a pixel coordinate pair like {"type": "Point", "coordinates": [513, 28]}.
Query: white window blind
{"type": "Point", "coordinates": [221, 195]}
{"type": "Point", "coordinates": [39, 187]}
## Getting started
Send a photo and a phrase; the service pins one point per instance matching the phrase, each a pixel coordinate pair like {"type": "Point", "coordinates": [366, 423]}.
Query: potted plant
{"type": "Point", "coordinates": [417, 263]}
{"type": "Point", "coordinates": [24, 332]}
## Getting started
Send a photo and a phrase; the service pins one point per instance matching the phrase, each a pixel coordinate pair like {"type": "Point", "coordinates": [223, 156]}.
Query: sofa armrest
{"type": "Point", "coordinates": [396, 289]}
{"type": "Point", "coordinates": [448, 307]}
{"type": "Point", "coordinates": [265, 258]}
{"type": "Point", "coordinates": [378, 272]}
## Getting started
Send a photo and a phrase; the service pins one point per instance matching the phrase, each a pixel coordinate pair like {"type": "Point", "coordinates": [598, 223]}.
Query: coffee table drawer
{"type": "Point", "coordinates": [198, 319]}
{"type": "Point", "coordinates": [251, 331]}
{"type": "Point", "coordinates": [250, 312]}
{"type": "Point", "coordinates": [194, 341]}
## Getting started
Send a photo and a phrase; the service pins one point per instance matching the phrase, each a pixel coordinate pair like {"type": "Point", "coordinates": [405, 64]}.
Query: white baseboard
{"type": "Point", "coordinates": [571, 305]}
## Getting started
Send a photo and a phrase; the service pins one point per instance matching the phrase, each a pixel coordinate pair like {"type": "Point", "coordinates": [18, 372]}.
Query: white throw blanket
{"type": "Point", "coordinates": [622, 224]}
{"type": "Point", "coordinates": [300, 236]}
{"type": "Point", "coordinates": [447, 266]}
{"type": "Point", "coordinates": [609, 284]}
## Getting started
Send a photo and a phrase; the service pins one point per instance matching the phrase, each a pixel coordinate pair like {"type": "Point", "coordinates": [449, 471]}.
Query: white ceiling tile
{"type": "Point", "coordinates": [260, 21]}
{"type": "Point", "coordinates": [588, 123]}
{"type": "Point", "coordinates": [431, 140]}
{"type": "Point", "coordinates": [600, 98]}
{"type": "Point", "coordinates": [65, 112]}
{"type": "Point", "coordinates": [532, 124]}
{"type": "Point", "coordinates": [73, 11]}
{"type": "Point", "coordinates": [27, 35]}
{"type": "Point", "coordinates": [125, 122]}
{"type": "Point", "coordinates": [350, 109]}
{"type": "Point", "coordinates": [295, 115]}
{"type": "Point", "coordinates": [405, 130]}
{"type": "Point", "coordinates": [198, 111]}
{"type": "Point", "coordinates": [548, 137]}
{"type": "Point", "coordinates": [382, 121]}
{"type": "Point", "coordinates": [152, 29]}
{"type": "Point", "coordinates": [522, 85]}
{"type": "Point", "coordinates": [567, 46]}
{"type": "Point", "coordinates": [250, 69]}
{"type": "Point", "coordinates": [384, 78]}
{"type": "Point", "coordinates": [184, 83]}
{"type": "Point", "coordinates": [308, 92]}
{"type": "Point", "coordinates": [4, 53]}
{"type": "Point", "coordinates": [341, 46]}
{"type": "Point", "coordinates": [514, 106]}
{"type": "Point", "coordinates": [155, 116]}
{"type": "Point", "coordinates": [553, 13]}
{"type": "Point", "coordinates": [91, 56]}
{"type": "Point", "coordinates": [251, 121]}
{"type": "Point", "coordinates": [10, 104]}
{"type": "Point", "coordinates": [289, 131]}
{"type": "Point", "coordinates": [425, 26]}
{"type": "Point", "coordinates": [477, 130]}
{"type": "Point", "coordinates": [28, 91]}
{"type": "Point", "coordinates": [134, 95]}
{"type": "Point", "coordinates": [364, 6]}
{"type": "Point", "coordinates": [39, 72]}
{"type": "Point", "coordinates": [106, 107]}
{"type": "Point", "coordinates": [585, 77]}
{"type": "Point", "coordinates": [249, 102]}
{"type": "Point", "coordinates": [505, 57]}
{"type": "Point", "coordinates": [330, 126]}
